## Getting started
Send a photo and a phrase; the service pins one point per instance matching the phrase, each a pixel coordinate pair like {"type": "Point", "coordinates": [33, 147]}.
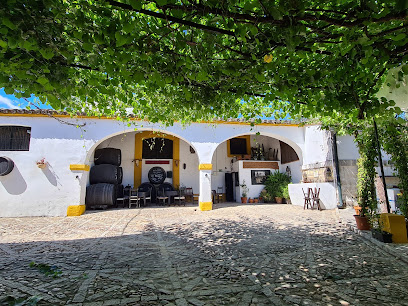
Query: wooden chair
{"type": "Point", "coordinates": [189, 194]}
{"type": "Point", "coordinates": [307, 198]}
{"type": "Point", "coordinates": [315, 198]}
{"type": "Point", "coordinates": [161, 197]}
{"type": "Point", "coordinates": [134, 198]}
{"type": "Point", "coordinates": [180, 198]}
{"type": "Point", "coordinates": [145, 195]}
{"type": "Point", "coordinates": [196, 196]}
{"type": "Point", "coordinates": [124, 199]}
{"type": "Point", "coordinates": [220, 194]}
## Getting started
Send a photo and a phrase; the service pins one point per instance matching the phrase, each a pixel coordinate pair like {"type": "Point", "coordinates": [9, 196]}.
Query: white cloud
{"type": "Point", "coordinates": [9, 103]}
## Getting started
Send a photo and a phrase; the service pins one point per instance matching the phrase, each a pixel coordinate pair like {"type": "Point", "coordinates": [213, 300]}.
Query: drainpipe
{"type": "Point", "coordinates": [381, 166]}
{"type": "Point", "coordinates": [337, 168]}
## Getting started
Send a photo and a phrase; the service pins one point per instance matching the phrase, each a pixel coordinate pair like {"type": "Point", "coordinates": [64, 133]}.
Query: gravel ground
{"type": "Point", "coordinates": [236, 254]}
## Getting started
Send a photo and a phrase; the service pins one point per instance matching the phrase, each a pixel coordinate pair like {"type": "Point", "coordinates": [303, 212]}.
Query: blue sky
{"type": "Point", "coordinates": [10, 101]}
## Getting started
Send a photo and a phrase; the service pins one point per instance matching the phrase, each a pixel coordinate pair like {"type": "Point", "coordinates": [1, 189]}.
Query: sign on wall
{"type": "Point", "coordinates": [258, 177]}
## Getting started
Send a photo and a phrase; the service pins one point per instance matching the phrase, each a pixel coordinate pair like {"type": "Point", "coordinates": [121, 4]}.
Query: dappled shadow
{"type": "Point", "coordinates": [211, 262]}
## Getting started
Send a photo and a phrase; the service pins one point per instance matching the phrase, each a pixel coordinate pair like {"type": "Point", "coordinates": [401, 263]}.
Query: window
{"type": "Point", "coordinates": [15, 138]}
{"type": "Point", "coordinates": [238, 146]}
{"type": "Point", "coordinates": [157, 148]}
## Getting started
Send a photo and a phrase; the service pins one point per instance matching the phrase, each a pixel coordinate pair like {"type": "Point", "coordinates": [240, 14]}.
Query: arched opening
{"type": "Point", "coordinates": [248, 159]}
{"type": "Point", "coordinates": [148, 158]}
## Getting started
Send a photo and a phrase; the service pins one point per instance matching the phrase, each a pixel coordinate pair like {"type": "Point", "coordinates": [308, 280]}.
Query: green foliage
{"type": "Point", "coordinates": [46, 269]}
{"type": "Point", "coordinates": [395, 143]}
{"type": "Point", "coordinates": [276, 183]}
{"type": "Point", "coordinates": [366, 192]}
{"type": "Point", "coordinates": [173, 60]}
{"type": "Point", "coordinates": [12, 301]}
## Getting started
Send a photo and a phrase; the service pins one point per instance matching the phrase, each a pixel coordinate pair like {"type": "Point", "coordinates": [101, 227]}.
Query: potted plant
{"type": "Point", "coordinates": [262, 195]}
{"type": "Point", "coordinates": [256, 200]}
{"type": "Point", "coordinates": [41, 163]}
{"type": "Point", "coordinates": [285, 194]}
{"type": "Point", "coordinates": [377, 230]}
{"type": "Point", "coordinates": [275, 185]}
{"type": "Point", "coordinates": [244, 192]}
{"type": "Point", "coordinates": [250, 200]}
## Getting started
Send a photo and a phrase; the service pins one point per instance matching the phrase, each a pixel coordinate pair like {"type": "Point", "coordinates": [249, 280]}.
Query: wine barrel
{"type": "Point", "coordinates": [6, 165]}
{"type": "Point", "coordinates": [100, 194]}
{"type": "Point", "coordinates": [110, 156]}
{"type": "Point", "coordinates": [106, 173]}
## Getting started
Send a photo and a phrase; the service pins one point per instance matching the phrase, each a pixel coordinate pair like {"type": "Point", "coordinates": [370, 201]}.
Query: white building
{"type": "Point", "coordinates": [202, 156]}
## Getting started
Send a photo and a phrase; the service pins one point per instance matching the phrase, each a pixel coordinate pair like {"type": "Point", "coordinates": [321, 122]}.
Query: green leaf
{"type": "Point", "coordinates": [7, 22]}
{"type": "Point", "coordinates": [47, 53]}
{"type": "Point", "coordinates": [3, 44]}
{"type": "Point", "coordinates": [42, 80]}
{"type": "Point", "coordinates": [399, 37]}
{"type": "Point", "coordinates": [136, 4]}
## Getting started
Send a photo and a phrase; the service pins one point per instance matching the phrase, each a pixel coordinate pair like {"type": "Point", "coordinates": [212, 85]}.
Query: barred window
{"type": "Point", "coordinates": [15, 138]}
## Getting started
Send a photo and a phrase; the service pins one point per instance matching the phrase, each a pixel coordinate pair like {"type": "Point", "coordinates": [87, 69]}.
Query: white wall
{"type": "Point", "coordinates": [189, 177]}
{"type": "Point", "coordinates": [30, 191]}
{"type": "Point", "coordinates": [316, 146]}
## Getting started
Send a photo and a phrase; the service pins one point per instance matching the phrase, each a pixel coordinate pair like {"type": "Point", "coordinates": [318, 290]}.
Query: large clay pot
{"type": "Point", "coordinates": [244, 199]}
{"type": "Point", "coordinates": [279, 200]}
{"type": "Point", "coordinates": [362, 223]}
{"type": "Point", "coordinates": [251, 200]}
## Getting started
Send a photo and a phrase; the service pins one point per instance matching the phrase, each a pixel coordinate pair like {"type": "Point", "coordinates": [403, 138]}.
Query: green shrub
{"type": "Point", "coordinates": [276, 183]}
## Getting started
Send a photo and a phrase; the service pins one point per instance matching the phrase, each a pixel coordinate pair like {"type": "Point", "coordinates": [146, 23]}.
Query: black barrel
{"type": "Point", "coordinates": [110, 156]}
{"type": "Point", "coordinates": [119, 191]}
{"type": "Point", "coordinates": [106, 174]}
{"type": "Point", "coordinates": [101, 194]}
{"type": "Point", "coordinates": [6, 165]}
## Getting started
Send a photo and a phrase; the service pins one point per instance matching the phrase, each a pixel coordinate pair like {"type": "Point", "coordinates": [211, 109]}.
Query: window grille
{"type": "Point", "coordinates": [15, 138]}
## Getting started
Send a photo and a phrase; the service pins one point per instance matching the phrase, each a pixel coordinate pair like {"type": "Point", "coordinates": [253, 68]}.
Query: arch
{"type": "Point", "coordinates": [140, 133]}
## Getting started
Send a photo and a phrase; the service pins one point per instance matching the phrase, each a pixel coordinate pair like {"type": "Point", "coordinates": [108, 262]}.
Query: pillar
{"type": "Point", "coordinates": [205, 199]}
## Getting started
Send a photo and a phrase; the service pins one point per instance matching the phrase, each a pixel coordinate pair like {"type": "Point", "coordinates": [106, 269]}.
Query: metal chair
{"type": "Point", "coordinates": [307, 198]}
{"type": "Point", "coordinates": [134, 198]}
{"type": "Point", "coordinates": [220, 194]}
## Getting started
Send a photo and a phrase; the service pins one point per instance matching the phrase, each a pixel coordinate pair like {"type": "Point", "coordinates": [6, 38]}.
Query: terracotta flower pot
{"type": "Point", "coordinates": [279, 200]}
{"type": "Point", "coordinates": [251, 200]}
{"type": "Point", "coordinates": [244, 199]}
{"type": "Point", "coordinates": [362, 223]}
{"type": "Point", "coordinates": [256, 200]}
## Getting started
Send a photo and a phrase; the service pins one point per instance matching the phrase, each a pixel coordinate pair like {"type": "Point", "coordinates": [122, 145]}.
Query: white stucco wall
{"type": "Point", "coordinates": [30, 191]}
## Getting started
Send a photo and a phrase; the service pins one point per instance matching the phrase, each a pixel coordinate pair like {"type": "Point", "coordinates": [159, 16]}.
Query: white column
{"type": "Point", "coordinates": [205, 199]}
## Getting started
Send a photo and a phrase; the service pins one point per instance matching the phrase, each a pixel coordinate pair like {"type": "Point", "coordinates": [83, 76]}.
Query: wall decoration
{"type": "Point", "coordinates": [258, 177]}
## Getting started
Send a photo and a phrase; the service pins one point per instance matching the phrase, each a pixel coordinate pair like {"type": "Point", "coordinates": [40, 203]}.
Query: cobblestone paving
{"type": "Point", "coordinates": [232, 255]}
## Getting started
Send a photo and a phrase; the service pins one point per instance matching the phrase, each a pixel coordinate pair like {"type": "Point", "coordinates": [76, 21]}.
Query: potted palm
{"type": "Point", "coordinates": [275, 185]}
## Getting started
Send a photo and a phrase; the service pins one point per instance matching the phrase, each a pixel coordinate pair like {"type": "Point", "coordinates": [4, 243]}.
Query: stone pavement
{"type": "Point", "coordinates": [233, 255]}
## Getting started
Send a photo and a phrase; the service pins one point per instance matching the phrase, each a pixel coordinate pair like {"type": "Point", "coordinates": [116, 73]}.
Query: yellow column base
{"type": "Point", "coordinates": [205, 206]}
{"type": "Point", "coordinates": [75, 210]}
{"type": "Point", "coordinates": [395, 224]}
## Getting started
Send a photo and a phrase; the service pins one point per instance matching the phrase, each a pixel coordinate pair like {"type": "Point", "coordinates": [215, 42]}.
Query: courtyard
{"type": "Point", "coordinates": [233, 255]}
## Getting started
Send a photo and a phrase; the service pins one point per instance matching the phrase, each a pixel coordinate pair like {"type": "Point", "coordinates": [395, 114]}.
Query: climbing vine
{"type": "Point", "coordinates": [366, 173]}
{"type": "Point", "coordinates": [395, 143]}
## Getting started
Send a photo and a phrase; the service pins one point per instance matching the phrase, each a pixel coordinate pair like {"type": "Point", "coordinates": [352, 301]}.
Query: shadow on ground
{"type": "Point", "coordinates": [216, 262]}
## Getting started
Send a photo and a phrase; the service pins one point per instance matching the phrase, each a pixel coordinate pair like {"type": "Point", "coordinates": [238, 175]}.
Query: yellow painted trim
{"type": "Point", "coordinates": [139, 155]}
{"type": "Point", "coordinates": [137, 176]}
{"type": "Point", "coordinates": [138, 119]}
{"type": "Point", "coordinates": [75, 210]}
{"type": "Point", "coordinates": [176, 162]}
{"type": "Point", "coordinates": [79, 167]}
{"type": "Point", "coordinates": [248, 146]}
{"type": "Point", "coordinates": [205, 167]}
{"type": "Point", "coordinates": [204, 206]}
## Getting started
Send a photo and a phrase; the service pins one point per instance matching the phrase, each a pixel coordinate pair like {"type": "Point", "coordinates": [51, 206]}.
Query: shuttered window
{"type": "Point", "coordinates": [15, 138]}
